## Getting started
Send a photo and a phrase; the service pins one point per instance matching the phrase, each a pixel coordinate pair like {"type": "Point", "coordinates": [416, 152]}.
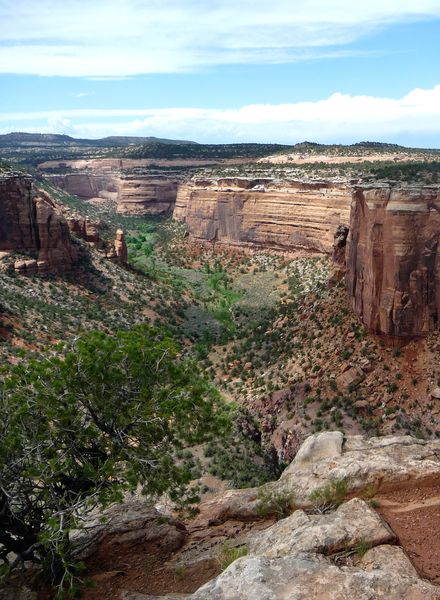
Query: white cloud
{"type": "Point", "coordinates": [338, 118]}
{"type": "Point", "coordinates": [127, 37]}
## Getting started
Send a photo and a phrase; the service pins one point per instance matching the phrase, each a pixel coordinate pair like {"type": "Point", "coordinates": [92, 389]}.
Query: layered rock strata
{"type": "Point", "coordinates": [139, 195]}
{"type": "Point", "coordinates": [31, 224]}
{"type": "Point", "coordinates": [264, 212]}
{"type": "Point", "coordinates": [393, 262]}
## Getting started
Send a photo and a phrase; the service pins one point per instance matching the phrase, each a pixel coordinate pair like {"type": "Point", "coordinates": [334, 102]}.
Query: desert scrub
{"type": "Point", "coordinates": [362, 547]}
{"type": "Point", "coordinates": [329, 497]}
{"type": "Point", "coordinates": [274, 504]}
{"type": "Point", "coordinates": [228, 554]}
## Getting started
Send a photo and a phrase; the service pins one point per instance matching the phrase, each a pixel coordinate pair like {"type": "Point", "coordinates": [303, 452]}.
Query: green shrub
{"type": "Point", "coordinates": [229, 554]}
{"type": "Point", "coordinates": [274, 504]}
{"type": "Point", "coordinates": [330, 496]}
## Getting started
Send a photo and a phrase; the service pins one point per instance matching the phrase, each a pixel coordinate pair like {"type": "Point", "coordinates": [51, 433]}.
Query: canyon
{"type": "Point", "coordinates": [390, 259]}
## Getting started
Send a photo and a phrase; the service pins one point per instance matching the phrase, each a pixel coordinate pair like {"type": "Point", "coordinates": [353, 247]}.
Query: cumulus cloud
{"type": "Point", "coordinates": [127, 37]}
{"type": "Point", "coordinates": [338, 118]}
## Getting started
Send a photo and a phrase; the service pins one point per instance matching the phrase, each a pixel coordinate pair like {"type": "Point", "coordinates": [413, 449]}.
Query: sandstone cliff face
{"type": "Point", "coordinates": [264, 212]}
{"type": "Point", "coordinates": [87, 185]}
{"type": "Point", "coordinates": [393, 263]}
{"type": "Point", "coordinates": [139, 195]}
{"type": "Point", "coordinates": [31, 223]}
{"type": "Point", "coordinates": [146, 195]}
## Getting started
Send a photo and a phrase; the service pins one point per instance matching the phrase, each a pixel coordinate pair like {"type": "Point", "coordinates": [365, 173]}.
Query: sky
{"type": "Point", "coordinates": [217, 71]}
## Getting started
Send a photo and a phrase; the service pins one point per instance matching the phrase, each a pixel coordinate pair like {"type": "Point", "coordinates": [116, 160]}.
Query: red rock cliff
{"type": "Point", "coordinates": [393, 262]}
{"type": "Point", "coordinates": [264, 212]}
{"type": "Point", "coordinates": [139, 195]}
{"type": "Point", "coordinates": [31, 223]}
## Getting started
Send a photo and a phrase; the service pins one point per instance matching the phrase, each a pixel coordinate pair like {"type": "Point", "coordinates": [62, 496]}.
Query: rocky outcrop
{"type": "Point", "coordinates": [35, 228]}
{"type": "Point", "coordinates": [88, 231]}
{"type": "Point", "coordinates": [342, 554]}
{"type": "Point", "coordinates": [358, 461]}
{"type": "Point", "coordinates": [139, 195]}
{"type": "Point", "coordinates": [31, 224]}
{"type": "Point", "coordinates": [338, 268]}
{"type": "Point", "coordinates": [393, 263]}
{"type": "Point", "coordinates": [264, 212]}
{"type": "Point", "coordinates": [120, 246]}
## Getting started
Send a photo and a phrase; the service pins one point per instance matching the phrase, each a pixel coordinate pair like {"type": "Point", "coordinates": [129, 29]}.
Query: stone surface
{"type": "Point", "coordinates": [313, 577]}
{"type": "Point", "coordinates": [307, 555]}
{"type": "Point", "coordinates": [264, 212]}
{"type": "Point", "coordinates": [316, 447]}
{"type": "Point", "coordinates": [126, 524]}
{"type": "Point", "coordinates": [121, 247]}
{"type": "Point", "coordinates": [32, 224]}
{"type": "Point", "coordinates": [338, 269]}
{"type": "Point", "coordinates": [393, 265]}
{"type": "Point", "coordinates": [351, 376]}
{"type": "Point", "coordinates": [373, 463]}
{"type": "Point", "coordinates": [393, 556]}
{"type": "Point", "coordinates": [339, 530]}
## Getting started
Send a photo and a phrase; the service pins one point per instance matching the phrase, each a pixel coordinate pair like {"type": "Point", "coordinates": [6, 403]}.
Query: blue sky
{"type": "Point", "coordinates": [222, 70]}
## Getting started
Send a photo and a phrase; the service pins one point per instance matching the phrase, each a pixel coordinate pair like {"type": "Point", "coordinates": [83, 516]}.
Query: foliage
{"type": "Point", "coordinates": [274, 504]}
{"type": "Point", "coordinates": [79, 428]}
{"type": "Point", "coordinates": [362, 547]}
{"type": "Point", "coordinates": [228, 555]}
{"type": "Point", "coordinates": [239, 456]}
{"type": "Point", "coordinates": [330, 496]}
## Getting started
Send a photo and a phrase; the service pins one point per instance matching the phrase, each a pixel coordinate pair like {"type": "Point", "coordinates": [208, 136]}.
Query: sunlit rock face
{"type": "Point", "coordinates": [140, 195]}
{"type": "Point", "coordinates": [264, 212]}
{"type": "Point", "coordinates": [393, 266]}
{"type": "Point", "coordinates": [31, 223]}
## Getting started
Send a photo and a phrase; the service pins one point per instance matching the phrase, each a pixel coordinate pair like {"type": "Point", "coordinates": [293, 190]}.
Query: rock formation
{"type": "Point", "coordinates": [120, 247]}
{"type": "Point", "coordinates": [264, 212]}
{"type": "Point", "coordinates": [146, 195]}
{"type": "Point", "coordinates": [393, 266]}
{"type": "Point", "coordinates": [139, 195]}
{"type": "Point", "coordinates": [307, 554]}
{"type": "Point", "coordinates": [338, 269]}
{"type": "Point", "coordinates": [31, 224]}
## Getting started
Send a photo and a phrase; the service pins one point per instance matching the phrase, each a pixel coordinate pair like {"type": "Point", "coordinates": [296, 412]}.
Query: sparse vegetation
{"type": "Point", "coordinates": [229, 554]}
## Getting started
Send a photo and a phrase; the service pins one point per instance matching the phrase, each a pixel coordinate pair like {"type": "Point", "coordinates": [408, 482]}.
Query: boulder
{"type": "Point", "coordinates": [319, 446]}
{"type": "Point", "coordinates": [339, 530]}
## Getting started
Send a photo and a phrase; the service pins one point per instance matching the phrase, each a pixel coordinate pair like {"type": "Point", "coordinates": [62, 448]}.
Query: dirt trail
{"type": "Point", "coordinates": [414, 515]}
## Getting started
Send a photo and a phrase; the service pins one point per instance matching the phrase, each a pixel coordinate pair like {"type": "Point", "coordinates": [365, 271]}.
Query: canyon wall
{"type": "Point", "coordinates": [31, 224]}
{"type": "Point", "coordinates": [35, 235]}
{"type": "Point", "coordinates": [139, 195]}
{"type": "Point", "coordinates": [393, 262]}
{"type": "Point", "coordinates": [264, 212]}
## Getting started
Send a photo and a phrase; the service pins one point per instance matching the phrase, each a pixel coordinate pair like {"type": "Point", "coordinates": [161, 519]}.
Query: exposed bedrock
{"type": "Point", "coordinates": [32, 224]}
{"type": "Point", "coordinates": [393, 266]}
{"type": "Point", "coordinates": [140, 195]}
{"type": "Point", "coordinates": [264, 212]}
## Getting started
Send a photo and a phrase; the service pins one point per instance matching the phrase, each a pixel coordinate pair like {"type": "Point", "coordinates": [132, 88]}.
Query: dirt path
{"type": "Point", "coordinates": [414, 515]}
